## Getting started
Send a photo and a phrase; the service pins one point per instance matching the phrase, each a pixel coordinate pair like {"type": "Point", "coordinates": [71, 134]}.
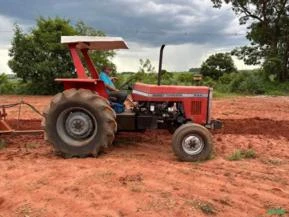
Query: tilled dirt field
{"type": "Point", "coordinates": [139, 175]}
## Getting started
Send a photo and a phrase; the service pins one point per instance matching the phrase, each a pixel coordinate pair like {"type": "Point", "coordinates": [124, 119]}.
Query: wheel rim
{"type": "Point", "coordinates": [193, 144]}
{"type": "Point", "coordinates": [76, 126]}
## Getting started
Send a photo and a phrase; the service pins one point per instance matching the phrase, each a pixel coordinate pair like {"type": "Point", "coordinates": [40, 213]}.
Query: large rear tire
{"type": "Point", "coordinates": [79, 122]}
{"type": "Point", "coordinates": [192, 142]}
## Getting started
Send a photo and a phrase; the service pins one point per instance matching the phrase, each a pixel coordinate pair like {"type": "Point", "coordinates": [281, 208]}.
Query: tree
{"type": "Point", "coordinates": [146, 66]}
{"type": "Point", "coordinates": [38, 57]}
{"type": "Point", "coordinates": [268, 31]}
{"type": "Point", "coordinates": [218, 64]}
{"type": "Point", "coordinates": [195, 70]}
{"type": "Point", "coordinates": [167, 77]}
{"type": "Point", "coordinates": [146, 72]}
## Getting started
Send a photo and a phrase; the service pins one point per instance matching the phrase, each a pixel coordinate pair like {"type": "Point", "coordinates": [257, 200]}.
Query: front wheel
{"type": "Point", "coordinates": [192, 142]}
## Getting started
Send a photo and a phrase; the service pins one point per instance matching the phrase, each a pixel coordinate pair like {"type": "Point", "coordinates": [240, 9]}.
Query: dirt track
{"type": "Point", "coordinates": [140, 176]}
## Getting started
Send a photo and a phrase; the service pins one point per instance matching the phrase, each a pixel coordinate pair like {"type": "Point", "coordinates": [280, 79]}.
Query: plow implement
{"type": "Point", "coordinates": [6, 128]}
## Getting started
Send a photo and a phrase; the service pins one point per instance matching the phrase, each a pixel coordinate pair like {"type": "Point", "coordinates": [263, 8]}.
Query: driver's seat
{"type": "Point", "coordinates": [116, 105]}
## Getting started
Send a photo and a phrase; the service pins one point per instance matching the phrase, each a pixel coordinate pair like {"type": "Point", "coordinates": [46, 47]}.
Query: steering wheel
{"type": "Point", "coordinates": [127, 85]}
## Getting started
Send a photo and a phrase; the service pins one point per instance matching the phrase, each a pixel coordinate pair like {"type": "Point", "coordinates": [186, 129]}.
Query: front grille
{"type": "Point", "coordinates": [196, 107]}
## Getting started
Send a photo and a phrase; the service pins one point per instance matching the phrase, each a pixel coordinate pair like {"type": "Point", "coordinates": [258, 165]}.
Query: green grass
{"type": "Point", "coordinates": [276, 211]}
{"type": "Point", "coordinates": [220, 95]}
{"type": "Point", "coordinates": [207, 208]}
{"type": "Point", "coordinates": [249, 153]}
{"type": "Point", "coordinates": [3, 144]}
{"type": "Point", "coordinates": [237, 155]}
{"type": "Point", "coordinates": [240, 154]}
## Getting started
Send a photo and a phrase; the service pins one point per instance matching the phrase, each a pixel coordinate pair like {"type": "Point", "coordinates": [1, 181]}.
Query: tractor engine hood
{"type": "Point", "coordinates": [145, 92]}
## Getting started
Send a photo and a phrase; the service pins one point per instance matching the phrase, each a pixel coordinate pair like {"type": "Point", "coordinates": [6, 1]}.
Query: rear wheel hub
{"type": "Point", "coordinates": [78, 125]}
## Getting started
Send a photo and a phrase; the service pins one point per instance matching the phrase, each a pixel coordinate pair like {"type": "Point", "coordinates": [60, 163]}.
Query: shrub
{"type": "Point", "coordinates": [253, 84]}
{"type": "Point", "coordinates": [250, 153]}
{"type": "Point", "coordinates": [248, 82]}
{"type": "Point", "coordinates": [3, 144]}
{"type": "Point", "coordinates": [276, 211]}
{"type": "Point", "coordinates": [184, 78]}
{"type": "Point", "coordinates": [241, 154]}
{"type": "Point", "coordinates": [237, 155]}
{"type": "Point", "coordinates": [7, 86]}
{"type": "Point", "coordinates": [207, 81]}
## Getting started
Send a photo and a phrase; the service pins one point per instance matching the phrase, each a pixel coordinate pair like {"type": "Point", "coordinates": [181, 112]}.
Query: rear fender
{"type": "Point", "coordinates": [89, 84]}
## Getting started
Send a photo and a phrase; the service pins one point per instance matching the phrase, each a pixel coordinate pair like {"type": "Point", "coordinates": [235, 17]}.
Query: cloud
{"type": "Point", "coordinates": [151, 22]}
{"type": "Point", "coordinates": [3, 61]}
{"type": "Point", "coordinates": [6, 24]}
{"type": "Point", "coordinates": [175, 57]}
{"type": "Point", "coordinates": [191, 28]}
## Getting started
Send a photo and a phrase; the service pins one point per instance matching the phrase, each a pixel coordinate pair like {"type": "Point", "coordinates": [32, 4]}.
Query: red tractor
{"type": "Point", "coordinates": [82, 119]}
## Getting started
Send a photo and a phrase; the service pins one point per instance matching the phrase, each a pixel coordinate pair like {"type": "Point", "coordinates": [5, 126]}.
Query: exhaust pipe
{"type": "Point", "coordinates": [160, 64]}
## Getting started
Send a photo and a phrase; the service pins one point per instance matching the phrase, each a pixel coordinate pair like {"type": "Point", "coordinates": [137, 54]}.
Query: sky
{"type": "Point", "coordinates": [191, 29]}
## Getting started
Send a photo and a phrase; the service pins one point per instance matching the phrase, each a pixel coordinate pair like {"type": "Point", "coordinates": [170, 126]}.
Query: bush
{"type": "Point", "coordinates": [183, 78]}
{"type": "Point", "coordinates": [40, 88]}
{"type": "Point", "coordinates": [241, 154]}
{"type": "Point", "coordinates": [207, 81]}
{"type": "Point", "coordinates": [248, 82]}
{"type": "Point", "coordinates": [7, 86]}
{"type": "Point", "coordinates": [237, 155]}
{"type": "Point", "coordinates": [253, 84]}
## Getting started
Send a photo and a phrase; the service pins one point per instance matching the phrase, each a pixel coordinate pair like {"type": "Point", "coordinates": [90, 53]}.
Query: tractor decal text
{"type": "Point", "coordinates": [175, 95]}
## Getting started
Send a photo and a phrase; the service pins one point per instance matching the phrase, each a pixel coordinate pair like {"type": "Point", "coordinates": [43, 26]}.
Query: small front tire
{"type": "Point", "coordinates": [192, 142]}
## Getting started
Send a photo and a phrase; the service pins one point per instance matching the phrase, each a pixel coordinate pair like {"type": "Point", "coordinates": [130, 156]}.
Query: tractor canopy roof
{"type": "Point", "coordinates": [101, 43]}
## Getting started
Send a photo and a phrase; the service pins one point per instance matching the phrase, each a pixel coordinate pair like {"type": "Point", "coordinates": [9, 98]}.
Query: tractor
{"type": "Point", "coordinates": [82, 120]}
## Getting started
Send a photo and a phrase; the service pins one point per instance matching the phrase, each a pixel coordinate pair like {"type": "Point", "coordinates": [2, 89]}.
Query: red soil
{"type": "Point", "coordinates": [140, 175]}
